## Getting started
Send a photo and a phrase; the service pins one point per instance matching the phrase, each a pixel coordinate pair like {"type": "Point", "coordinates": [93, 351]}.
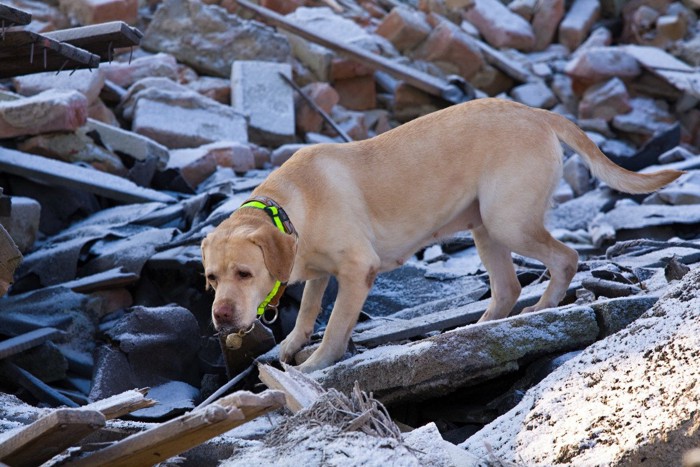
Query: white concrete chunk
{"type": "Point", "coordinates": [259, 92]}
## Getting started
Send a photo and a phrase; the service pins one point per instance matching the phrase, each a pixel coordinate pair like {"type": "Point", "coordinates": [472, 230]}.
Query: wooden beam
{"type": "Point", "coordinates": [50, 435]}
{"type": "Point", "coordinates": [99, 39]}
{"type": "Point", "coordinates": [122, 404]}
{"type": "Point", "coordinates": [423, 81]}
{"type": "Point", "coordinates": [12, 16]}
{"type": "Point", "coordinates": [185, 432]}
{"type": "Point", "coordinates": [53, 172]}
{"type": "Point", "coordinates": [17, 344]}
{"type": "Point", "coordinates": [26, 52]}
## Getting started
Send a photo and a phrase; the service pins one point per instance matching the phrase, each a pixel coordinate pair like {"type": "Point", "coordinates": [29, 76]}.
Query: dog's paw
{"type": "Point", "coordinates": [314, 362]}
{"type": "Point", "coordinates": [290, 346]}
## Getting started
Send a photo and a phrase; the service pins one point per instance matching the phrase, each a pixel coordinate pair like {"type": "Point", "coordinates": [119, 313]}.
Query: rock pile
{"type": "Point", "coordinates": [115, 175]}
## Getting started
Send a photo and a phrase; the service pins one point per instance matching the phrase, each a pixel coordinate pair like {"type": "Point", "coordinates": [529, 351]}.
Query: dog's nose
{"type": "Point", "coordinates": [223, 315]}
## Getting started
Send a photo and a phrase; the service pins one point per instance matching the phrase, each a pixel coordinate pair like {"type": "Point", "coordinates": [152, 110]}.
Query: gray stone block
{"type": "Point", "coordinates": [259, 92]}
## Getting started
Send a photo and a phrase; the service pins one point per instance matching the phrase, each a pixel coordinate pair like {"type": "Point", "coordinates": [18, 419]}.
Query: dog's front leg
{"type": "Point", "coordinates": [353, 288]}
{"type": "Point", "coordinates": [308, 312]}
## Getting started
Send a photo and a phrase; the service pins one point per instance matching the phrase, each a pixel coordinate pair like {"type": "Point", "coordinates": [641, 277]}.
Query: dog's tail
{"type": "Point", "coordinates": [603, 168]}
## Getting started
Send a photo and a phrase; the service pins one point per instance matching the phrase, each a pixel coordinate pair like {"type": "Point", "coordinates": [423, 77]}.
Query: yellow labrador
{"type": "Point", "coordinates": [364, 207]}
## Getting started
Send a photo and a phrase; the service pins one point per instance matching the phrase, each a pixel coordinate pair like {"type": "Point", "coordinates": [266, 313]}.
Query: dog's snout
{"type": "Point", "coordinates": [223, 314]}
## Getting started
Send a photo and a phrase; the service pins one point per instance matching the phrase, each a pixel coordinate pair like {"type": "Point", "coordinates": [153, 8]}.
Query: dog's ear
{"type": "Point", "coordinates": [207, 285]}
{"type": "Point", "coordinates": [278, 250]}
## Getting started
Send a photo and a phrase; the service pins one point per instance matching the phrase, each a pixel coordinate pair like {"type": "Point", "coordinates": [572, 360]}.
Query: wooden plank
{"type": "Point", "coordinates": [185, 432]}
{"type": "Point", "coordinates": [50, 435]}
{"type": "Point", "coordinates": [122, 404]}
{"type": "Point", "coordinates": [99, 39]}
{"type": "Point", "coordinates": [423, 81]}
{"type": "Point", "coordinates": [17, 344]}
{"type": "Point", "coordinates": [10, 259]}
{"type": "Point", "coordinates": [26, 52]}
{"type": "Point", "coordinates": [12, 16]}
{"type": "Point", "coordinates": [300, 391]}
{"type": "Point", "coordinates": [53, 172]}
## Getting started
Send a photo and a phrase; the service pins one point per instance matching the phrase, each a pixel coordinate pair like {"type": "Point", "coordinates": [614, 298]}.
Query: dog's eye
{"type": "Point", "coordinates": [211, 277]}
{"type": "Point", "coordinates": [244, 275]}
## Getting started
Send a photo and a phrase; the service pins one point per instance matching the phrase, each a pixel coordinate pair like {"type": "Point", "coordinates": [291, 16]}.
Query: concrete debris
{"type": "Point", "coordinates": [110, 178]}
{"type": "Point", "coordinates": [220, 40]}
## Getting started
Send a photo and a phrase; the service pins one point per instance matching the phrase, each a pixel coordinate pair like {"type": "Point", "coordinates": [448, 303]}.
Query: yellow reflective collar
{"type": "Point", "coordinates": [282, 222]}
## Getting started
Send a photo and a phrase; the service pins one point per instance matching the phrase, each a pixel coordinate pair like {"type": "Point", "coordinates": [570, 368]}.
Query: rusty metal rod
{"type": "Point", "coordinates": [318, 109]}
{"type": "Point", "coordinates": [423, 81]}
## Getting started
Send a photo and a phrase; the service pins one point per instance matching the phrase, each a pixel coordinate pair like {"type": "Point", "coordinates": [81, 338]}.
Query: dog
{"type": "Point", "coordinates": [364, 207]}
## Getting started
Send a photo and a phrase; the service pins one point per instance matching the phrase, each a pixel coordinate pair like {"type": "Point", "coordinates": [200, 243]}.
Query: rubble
{"type": "Point", "coordinates": [114, 176]}
{"type": "Point", "coordinates": [221, 38]}
{"type": "Point", "coordinates": [578, 411]}
{"type": "Point", "coordinates": [47, 111]}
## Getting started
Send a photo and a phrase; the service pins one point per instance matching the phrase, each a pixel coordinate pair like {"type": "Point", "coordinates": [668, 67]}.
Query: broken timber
{"type": "Point", "coordinates": [122, 404]}
{"type": "Point", "coordinates": [99, 39]}
{"type": "Point", "coordinates": [10, 259]}
{"type": "Point", "coordinates": [450, 92]}
{"type": "Point", "coordinates": [55, 172]}
{"type": "Point", "coordinates": [300, 391]}
{"type": "Point", "coordinates": [50, 435]}
{"type": "Point", "coordinates": [185, 432]}
{"type": "Point", "coordinates": [25, 52]}
{"type": "Point", "coordinates": [12, 16]}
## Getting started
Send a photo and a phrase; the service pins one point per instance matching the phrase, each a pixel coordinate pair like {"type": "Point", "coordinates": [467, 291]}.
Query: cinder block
{"type": "Point", "coordinates": [259, 92]}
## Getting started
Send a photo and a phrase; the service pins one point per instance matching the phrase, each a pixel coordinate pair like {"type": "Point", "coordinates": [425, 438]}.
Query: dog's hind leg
{"type": "Point", "coordinates": [505, 287]}
{"type": "Point", "coordinates": [308, 312]}
{"type": "Point", "coordinates": [535, 242]}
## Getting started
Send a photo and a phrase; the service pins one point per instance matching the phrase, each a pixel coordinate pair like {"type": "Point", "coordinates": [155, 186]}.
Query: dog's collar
{"type": "Point", "coordinates": [284, 224]}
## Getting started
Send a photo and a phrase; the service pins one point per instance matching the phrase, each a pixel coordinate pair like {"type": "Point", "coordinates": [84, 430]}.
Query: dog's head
{"type": "Point", "coordinates": [242, 259]}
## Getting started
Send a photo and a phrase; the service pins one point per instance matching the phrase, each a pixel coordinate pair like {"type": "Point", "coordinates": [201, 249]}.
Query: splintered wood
{"type": "Point", "coordinates": [62, 428]}
{"type": "Point", "coordinates": [299, 391]}
{"type": "Point", "coordinates": [122, 404]}
{"type": "Point", "coordinates": [185, 432]}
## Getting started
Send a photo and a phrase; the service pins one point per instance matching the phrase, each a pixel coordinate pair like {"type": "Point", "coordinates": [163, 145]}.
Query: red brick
{"type": "Point", "coordinates": [282, 7]}
{"type": "Point", "coordinates": [357, 93]}
{"type": "Point", "coordinates": [101, 11]}
{"type": "Point", "coordinates": [404, 27]}
{"type": "Point", "coordinates": [548, 14]}
{"type": "Point", "coordinates": [307, 119]}
{"type": "Point", "coordinates": [46, 112]}
{"type": "Point", "coordinates": [448, 44]}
